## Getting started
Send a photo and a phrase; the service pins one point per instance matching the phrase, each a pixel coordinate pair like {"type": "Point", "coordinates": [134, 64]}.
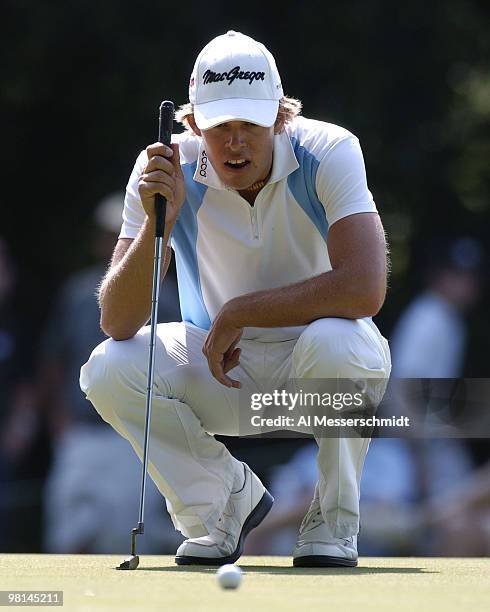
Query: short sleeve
{"type": "Point", "coordinates": [341, 181]}
{"type": "Point", "coordinates": [133, 212]}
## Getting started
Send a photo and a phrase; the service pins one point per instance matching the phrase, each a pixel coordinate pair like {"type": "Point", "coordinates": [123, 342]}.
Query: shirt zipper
{"type": "Point", "coordinates": [255, 225]}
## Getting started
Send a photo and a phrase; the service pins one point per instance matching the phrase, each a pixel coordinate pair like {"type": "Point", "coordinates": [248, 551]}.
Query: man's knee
{"type": "Point", "coordinates": [336, 348]}
{"type": "Point", "coordinates": [112, 363]}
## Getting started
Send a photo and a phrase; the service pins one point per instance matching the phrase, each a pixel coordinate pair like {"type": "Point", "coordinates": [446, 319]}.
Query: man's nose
{"type": "Point", "coordinates": [236, 139]}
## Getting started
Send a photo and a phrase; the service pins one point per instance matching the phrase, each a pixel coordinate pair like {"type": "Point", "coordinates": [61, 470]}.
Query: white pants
{"type": "Point", "coordinates": [194, 471]}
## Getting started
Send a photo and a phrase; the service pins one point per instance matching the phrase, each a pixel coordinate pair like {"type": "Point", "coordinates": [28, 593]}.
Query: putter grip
{"type": "Point", "coordinates": [165, 125]}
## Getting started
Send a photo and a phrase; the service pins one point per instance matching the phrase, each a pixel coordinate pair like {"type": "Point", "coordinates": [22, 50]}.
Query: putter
{"type": "Point", "coordinates": [164, 135]}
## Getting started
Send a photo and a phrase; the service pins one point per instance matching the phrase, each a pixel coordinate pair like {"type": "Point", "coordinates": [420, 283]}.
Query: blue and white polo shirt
{"type": "Point", "coordinates": [224, 247]}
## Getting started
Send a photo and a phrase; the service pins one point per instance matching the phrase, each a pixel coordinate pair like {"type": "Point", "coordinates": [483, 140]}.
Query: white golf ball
{"type": "Point", "coordinates": [229, 576]}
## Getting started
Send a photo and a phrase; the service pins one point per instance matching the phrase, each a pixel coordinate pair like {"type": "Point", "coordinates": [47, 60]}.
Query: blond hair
{"type": "Point", "coordinates": [289, 108]}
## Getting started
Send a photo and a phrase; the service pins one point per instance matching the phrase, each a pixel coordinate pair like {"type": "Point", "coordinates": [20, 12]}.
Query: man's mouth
{"type": "Point", "coordinates": [237, 164]}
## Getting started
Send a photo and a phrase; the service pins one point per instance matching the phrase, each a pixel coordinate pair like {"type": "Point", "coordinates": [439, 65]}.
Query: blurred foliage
{"type": "Point", "coordinates": [82, 82]}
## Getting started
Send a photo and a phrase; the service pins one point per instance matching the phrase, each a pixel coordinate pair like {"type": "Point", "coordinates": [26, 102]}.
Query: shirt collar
{"type": "Point", "coordinates": [285, 161]}
{"type": "Point", "coordinates": [283, 164]}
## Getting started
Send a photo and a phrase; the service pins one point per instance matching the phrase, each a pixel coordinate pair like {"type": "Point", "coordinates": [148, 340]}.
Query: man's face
{"type": "Point", "coordinates": [240, 152]}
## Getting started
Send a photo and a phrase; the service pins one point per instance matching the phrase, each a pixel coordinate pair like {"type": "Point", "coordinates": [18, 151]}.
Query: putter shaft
{"type": "Point", "coordinates": [164, 135]}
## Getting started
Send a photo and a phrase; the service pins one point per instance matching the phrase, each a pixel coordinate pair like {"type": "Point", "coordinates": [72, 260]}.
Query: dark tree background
{"type": "Point", "coordinates": [82, 81]}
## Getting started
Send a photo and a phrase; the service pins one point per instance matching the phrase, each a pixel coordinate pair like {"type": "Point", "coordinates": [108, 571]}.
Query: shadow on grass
{"type": "Point", "coordinates": [307, 571]}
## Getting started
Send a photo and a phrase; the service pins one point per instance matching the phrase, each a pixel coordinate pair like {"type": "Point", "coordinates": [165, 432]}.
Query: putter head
{"type": "Point", "coordinates": [131, 563]}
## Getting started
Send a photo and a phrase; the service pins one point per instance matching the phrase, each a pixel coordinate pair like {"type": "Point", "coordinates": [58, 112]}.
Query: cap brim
{"type": "Point", "coordinates": [261, 112]}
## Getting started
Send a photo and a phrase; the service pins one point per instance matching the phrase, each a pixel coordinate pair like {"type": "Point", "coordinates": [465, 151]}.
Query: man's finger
{"type": "Point", "coordinates": [158, 148]}
{"type": "Point", "coordinates": [175, 159]}
{"type": "Point", "coordinates": [158, 176]}
{"type": "Point", "coordinates": [218, 372]}
{"type": "Point", "coordinates": [230, 351]}
{"type": "Point", "coordinates": [157, 162]}
{"type": "Point", "coordinates": [232, 361]}
{"type": "Point", "coordinates": [148, 189]}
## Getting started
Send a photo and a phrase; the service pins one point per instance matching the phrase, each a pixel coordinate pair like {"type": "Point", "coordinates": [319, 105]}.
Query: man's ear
{"type": "Point", "coordinates": [193, 124]}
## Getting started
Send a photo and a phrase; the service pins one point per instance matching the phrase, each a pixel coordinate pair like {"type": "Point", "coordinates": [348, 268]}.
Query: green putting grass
{"type": "Point", "coordinates": [91, 582]}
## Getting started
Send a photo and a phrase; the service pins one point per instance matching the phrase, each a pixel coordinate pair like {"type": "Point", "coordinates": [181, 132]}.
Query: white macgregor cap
{"type": "Point", "coordinates": [235, 78]}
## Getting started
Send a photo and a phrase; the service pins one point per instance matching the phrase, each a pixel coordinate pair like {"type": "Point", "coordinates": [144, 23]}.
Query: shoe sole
{"type": "Point", "coordinates": [253, 520]}
{"type": "Point", "coordinates": [323, 561]}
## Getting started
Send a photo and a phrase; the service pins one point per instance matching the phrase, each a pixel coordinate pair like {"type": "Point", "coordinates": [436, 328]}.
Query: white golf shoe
{"type": "Point", "coordinates": [244, 510]}
{"type": "Point", "coordinates": [316, 548]}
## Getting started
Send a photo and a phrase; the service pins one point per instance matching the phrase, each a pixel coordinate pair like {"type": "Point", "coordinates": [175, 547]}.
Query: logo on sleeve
{"type": "Point", "coordinates": [235, 73]}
